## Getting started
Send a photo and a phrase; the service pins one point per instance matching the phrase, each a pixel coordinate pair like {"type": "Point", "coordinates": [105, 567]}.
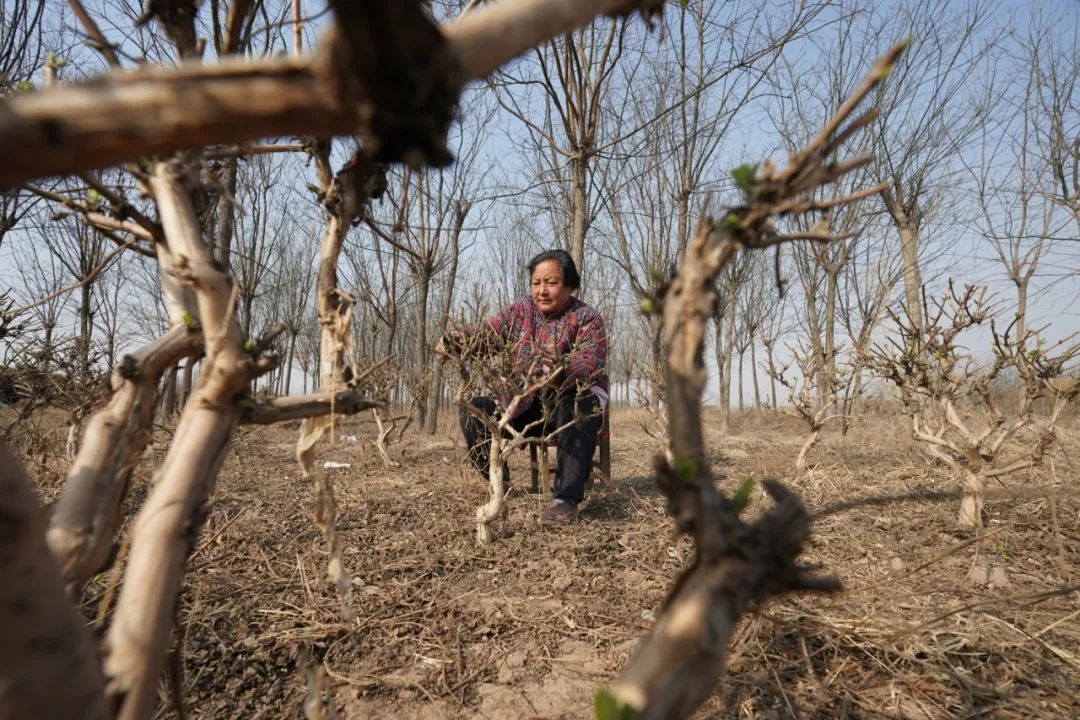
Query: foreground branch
{"type": "Point", "coordinates": [168, 524]}
{"type": "Point", "coordinates": [677, 666]}
{"type": "Point", "coordinates": [387, 74]}
{"type": "Point", "coordinates": [87, 515]}
{"type": "Point", "coordinates": [49, 668]}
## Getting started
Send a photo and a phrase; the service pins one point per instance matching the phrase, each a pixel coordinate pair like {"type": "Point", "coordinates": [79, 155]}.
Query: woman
{"type": "Point", "coordinates": [551, 326]}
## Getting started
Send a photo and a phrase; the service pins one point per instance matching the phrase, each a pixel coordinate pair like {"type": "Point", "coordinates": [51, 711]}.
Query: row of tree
{"type": "Point", "coordinates": [606, 142]}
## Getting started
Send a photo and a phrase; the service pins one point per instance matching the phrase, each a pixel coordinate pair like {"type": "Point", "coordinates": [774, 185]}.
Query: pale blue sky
{"type": "Point", "coordinates": [970, 259]}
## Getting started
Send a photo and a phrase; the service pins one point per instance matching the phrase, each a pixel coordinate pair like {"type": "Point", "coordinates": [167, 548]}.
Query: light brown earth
{"type": "Point", "coordinates": [532, 626]}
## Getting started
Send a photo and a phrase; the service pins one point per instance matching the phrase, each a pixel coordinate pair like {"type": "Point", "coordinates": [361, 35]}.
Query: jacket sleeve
{"type": "Point", "coordinates": [502, 322]}
{"type": "Point", "coordinates": [588, 356]}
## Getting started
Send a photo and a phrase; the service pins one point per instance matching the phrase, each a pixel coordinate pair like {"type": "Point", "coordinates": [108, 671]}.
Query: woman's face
{"type": "Point", "coordinates": [548, 291]}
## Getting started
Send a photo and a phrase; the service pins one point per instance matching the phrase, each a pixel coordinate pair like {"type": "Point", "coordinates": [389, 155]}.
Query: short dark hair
{"type": "Point", "coordinates": [567, 267]}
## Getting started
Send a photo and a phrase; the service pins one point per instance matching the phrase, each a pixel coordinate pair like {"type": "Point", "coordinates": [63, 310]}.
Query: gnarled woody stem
{"type": "Point", "coordinates": [343, 196]}
{"type": "Point", "coordinates": [274, 410]}
{"type": "Point", "coordinates": [490, 511]}
{"type": "Point", "coordinates": [971, 504]}
{"type": "Point", "coordinates": [86, 517]}
{"type": "Point", "coordinates": [677, 666]}
{"type": "Point", "coordinates": [167, 526]}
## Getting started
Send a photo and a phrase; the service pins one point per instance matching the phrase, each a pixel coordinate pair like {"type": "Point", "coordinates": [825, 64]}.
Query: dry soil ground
{"type": "Point", "coordinates": [931, 625]}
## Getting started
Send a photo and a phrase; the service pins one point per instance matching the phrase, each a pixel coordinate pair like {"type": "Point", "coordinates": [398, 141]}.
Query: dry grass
{"type": "Point", "coordinates": [531, 626]}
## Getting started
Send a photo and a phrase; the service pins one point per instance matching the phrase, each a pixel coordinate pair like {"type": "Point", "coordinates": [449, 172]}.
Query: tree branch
{"type": "Point", "coordinates": [346, 402]}
{"type": "Point", "coordinates": [677, 666]}
{"type": "Point", "coordinates": [86, 517]}
{"type": "Point", "coordinates": [344, 89]}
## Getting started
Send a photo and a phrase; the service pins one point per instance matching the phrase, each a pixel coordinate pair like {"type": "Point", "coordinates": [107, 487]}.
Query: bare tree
{"type": "Point", "coordinates": [755, 304]}
{"type": "Point", "coordinates": [952, 403]}
{"type": "Point", "coordinates": [574, 74]}
{"type": "Point", "coordinates": [461, 211]}
{"type": "Point", "coordinates": [295, 286]}
{"type": "Point", "coordinates": [723, 59]}
{"type": "Point", "coordinates": [772, 326]}
{"type": "Point", "coordinates": [727, 325]}
{"type": "Point", "coordinates": [426, 225]}
{"type": "Point", "coordinates": [1016, 216]}
{"type": "Point", "coordinates": [928, 114]}
{"type": "Point", "coordinates": [22, 53]}
{"type": "Point", "coordinates": [645, 245]}
{"type": "Point", "coordinates": [1053, 62]}
{"type": "Point", "coordinates": [870, 278]}
{"type": "Point", "coordinates": [261, 232]}
{"type": "Point", "coordinates": [804, 402]}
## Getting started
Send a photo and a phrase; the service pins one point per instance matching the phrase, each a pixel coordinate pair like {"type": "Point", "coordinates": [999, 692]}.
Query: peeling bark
{"type": "Point", "coordinates": [87, 515]}
{"type": "Point", "coordinates": [167, 526]}
{"type": "Point", "coordinates": [493, 508]}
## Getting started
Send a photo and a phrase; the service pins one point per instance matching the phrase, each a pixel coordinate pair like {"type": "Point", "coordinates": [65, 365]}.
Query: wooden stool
{"type": "Point", "coordinates": [542, 472]}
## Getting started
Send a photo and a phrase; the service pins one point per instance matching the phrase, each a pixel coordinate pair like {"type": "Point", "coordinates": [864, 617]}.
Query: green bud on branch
{"type": "Point", "coordinates": [607, 707]}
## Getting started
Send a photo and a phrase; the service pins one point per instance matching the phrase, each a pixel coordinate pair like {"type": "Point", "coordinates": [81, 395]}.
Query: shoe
{"type": "Point", "coordinates": [559, 512]}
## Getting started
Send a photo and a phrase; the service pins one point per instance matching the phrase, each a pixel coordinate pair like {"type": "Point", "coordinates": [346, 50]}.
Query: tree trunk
{"type": "Point", "coordinates": [245, 313]}
{"type": "Point", "coordinates": [168, 395]}
{"type": "Point", "coordinates": [800, 462]}
{"type": "Point", "coordinates": [423, 283]}
{"type": "Point", "coordinates": [226, 216]}
{"type": "Point", "coordinates": [1021, 307]}
{"type": "Point", "coordinates": [489, 511]}
{"type": "Point", "coordinates": [461, 211]}
{"type": "Point", "coordinates": [657, 349]}
{"type": "Point", "coordinates": [579, 218]}
{"type": "Point", "coordinates": [972, 503]}
{"type": "Point", "coordinates": [772, 380]}
{"type": "Point", "coordinates": [829, 349]}
{"type": "Point", "coordinates": [753, 374]}
{"type": "Point", "coordinates": [46, 364]}
{"type": "Point", "coordinates": [684, 229]}
{"type": "Point", "coordinates": [729, 351]}
{"type": "Point", "coordinates": [742, 406]}
{"type": "Point", "coordinates": [185, 385]}
{"type": "Point", "coordinates": [723, 385]}
{"type": "Point", "coordinates": [289, 363]}
{"type": "Point", "coordinates": [909, 249]}
{"type": "Point", "coordinates": [86, 326]}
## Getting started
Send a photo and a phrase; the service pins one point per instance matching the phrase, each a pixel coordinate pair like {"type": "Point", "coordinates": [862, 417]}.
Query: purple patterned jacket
{"type": "Point", "coordinates": [576, 333]}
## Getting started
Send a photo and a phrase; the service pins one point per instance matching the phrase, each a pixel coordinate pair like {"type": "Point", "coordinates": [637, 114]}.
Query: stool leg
{"type": "Point", "coordinates": [546, 471]}
{"type": "Point", "coordinates": [605, 456]}
{"type": "Point", "coordinates": [534, 470]}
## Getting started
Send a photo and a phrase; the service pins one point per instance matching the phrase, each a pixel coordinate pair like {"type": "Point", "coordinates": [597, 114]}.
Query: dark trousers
{"type": "Point", "coordinates": [576, 444]}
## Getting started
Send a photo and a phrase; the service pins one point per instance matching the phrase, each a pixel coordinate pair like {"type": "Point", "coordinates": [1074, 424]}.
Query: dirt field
{"type": "Point", "coordinates": [930, 626]}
